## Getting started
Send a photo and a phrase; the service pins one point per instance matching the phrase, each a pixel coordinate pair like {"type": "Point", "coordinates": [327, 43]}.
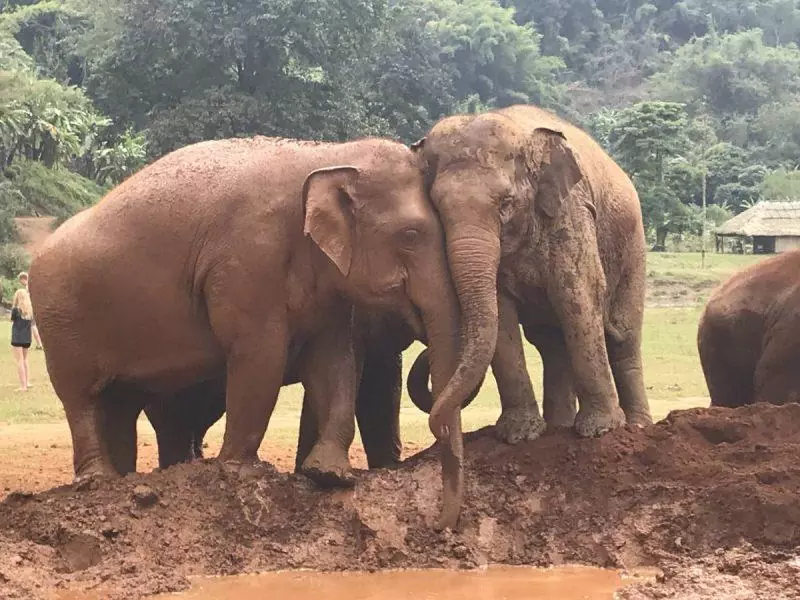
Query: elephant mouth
{"type": "Point", "coordinates": [413, 316]}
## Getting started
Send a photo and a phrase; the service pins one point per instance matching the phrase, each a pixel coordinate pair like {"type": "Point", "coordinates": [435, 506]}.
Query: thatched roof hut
{"type": "Point", "coordinates": [773, 226]}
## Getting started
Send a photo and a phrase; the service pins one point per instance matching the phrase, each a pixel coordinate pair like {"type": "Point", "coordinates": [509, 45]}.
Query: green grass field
{"type": "Point", "coordinates": [672, 368]}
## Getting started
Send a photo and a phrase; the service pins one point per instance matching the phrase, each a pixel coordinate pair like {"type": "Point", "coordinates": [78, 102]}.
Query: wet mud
{"type": "Point", "coordinates": [707, 495]}
{"type": "Point", "coordinates": [560, 583]}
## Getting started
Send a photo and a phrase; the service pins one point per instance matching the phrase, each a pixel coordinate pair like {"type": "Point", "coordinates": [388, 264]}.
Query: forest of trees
{"type": "Point", "coordinates": [677, 92]}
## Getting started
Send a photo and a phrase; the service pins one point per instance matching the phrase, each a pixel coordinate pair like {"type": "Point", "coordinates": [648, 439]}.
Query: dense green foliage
{"type": "Point", "coordinates": [688, 96]}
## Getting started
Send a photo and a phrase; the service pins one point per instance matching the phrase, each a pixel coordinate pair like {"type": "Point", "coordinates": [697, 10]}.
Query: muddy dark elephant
{"type": "Point", "coordinates": [749, 335]}
{"type": "Point", "coordinates": [543, 229]}
{"type": "Point", "coordinates": [181, 421]}
{"type": "Point", "coordinates": [224, 256]}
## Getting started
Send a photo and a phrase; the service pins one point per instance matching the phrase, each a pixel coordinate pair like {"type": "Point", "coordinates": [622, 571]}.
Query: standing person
{"type": "Point", "coordinates": [23, 279]}
{"type": "Point", "coordinates": [21, 318]}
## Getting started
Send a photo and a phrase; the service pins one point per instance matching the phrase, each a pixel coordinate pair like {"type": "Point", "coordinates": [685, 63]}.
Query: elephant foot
{"type": "Point", "coordinates": [89, 480]}
{"type": "Point", "coordinates": [519, 424]}
{"type": "Point", "coordinates": [598, 422]}
{"type": "Point", "coordinates": [639, 419]}
{"type": "Point", "coordinates": [246, 469]}
{"type": "Point", "coordinates": [328, 466]}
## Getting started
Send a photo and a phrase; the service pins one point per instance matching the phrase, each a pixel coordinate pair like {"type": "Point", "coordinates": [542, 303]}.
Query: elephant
{"type": "Point", "coordinates": [749, 335]}
{"type": "Point", "coordinates": [244, 257]}
{"type": "Point", "coordinates": [545, 230]}
{"type": "Point", "coordinates": [181, 421]}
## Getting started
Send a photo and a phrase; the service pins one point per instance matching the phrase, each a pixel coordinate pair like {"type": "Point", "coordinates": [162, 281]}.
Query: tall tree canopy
{"type": "Point", "coordinates": [678, 92]}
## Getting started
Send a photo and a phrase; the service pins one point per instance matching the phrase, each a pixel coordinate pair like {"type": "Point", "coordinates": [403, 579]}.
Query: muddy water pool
{"type": "Point", "coordinates": [512, 583]}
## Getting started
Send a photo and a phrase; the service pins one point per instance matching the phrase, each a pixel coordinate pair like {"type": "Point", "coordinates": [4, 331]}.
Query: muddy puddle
{"type": "Point", "coordinates": [562, 583]}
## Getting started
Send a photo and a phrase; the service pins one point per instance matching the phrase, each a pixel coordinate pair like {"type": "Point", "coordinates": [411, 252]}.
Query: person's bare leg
{"type": "Point", "coordinates": [26, 367]}
{"type": "Point", "coordinates": [18, 359]}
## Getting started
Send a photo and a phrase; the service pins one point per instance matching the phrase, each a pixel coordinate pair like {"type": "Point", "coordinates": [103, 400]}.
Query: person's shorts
{"type": "Point", "coordinates": [19, 345]}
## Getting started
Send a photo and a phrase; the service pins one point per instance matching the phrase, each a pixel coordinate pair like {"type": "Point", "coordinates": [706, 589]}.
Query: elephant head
{"type": "Point", "coordinates": [487, 176]}
{"type": "Point", "coordinates": [375, 222]}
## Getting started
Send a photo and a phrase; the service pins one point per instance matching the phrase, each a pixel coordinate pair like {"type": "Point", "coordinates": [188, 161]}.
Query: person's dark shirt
{"type": "Point", "coordinates": [20, 328]}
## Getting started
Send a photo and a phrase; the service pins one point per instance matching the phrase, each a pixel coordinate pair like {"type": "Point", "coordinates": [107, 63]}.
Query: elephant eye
{"type": "Point", "coordinates": [409, 237]}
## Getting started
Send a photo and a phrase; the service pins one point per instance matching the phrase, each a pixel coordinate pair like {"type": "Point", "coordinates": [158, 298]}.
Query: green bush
{"type": "Point", "coordinates": [13, 260]}
{"type": "Point", "coordinates": [51, 192]}
{"type": "Point", "coordinates": [11, 200]}
{"type": "Point", "coordinates": [7, 289]}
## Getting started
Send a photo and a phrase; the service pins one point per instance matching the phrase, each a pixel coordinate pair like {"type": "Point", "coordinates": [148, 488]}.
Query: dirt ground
{"type": "Point", "coordinates": [37, 457]}
{"type": "Point", "coordinates": [711, 496]}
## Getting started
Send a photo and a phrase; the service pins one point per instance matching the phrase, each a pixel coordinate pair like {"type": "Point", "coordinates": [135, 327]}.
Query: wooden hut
{"type": "Point", "coordinates": [774, 227]}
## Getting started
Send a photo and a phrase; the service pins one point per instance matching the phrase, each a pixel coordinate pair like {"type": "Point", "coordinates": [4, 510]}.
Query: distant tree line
{"type": "Point", "coordinates": [678, 92]}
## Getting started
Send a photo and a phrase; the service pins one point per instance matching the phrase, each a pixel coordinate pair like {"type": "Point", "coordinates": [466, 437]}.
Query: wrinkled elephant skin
{"type": "Point", "coordinates": [749, 335]}
{"type": "Point", "coordinates": [543, 229]}
{"type": "Point", "coordinates": [222, 257]}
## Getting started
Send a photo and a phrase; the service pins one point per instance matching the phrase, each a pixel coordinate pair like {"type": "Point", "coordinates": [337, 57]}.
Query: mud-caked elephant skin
{"type": "Point", "coordinates": [544, 230]}
{"type": "Point", "coordinates": [749, 335]}
{"type": "Point", "coordinates": [224, 256]}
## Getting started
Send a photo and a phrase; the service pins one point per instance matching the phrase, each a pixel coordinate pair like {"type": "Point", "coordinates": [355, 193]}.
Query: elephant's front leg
{"type": "Point", "coordinates": [577, 301]}
{"type": "Point", "coordinates": [378, 406]}
{"type": "Point", "coordinates": [254, 375]}
{"type": "Point", "coordinates": [330, 377]}
{"type": "Point", "coordinates": [520, 418]}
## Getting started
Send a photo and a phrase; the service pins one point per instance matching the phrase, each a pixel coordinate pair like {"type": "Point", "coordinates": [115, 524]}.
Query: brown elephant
{"type": "Point", "coordinates": [243, 257]}
{"type": "Point", "coordinates": [749, 335]}
{"type": "Point", "coordinates": [543, 229]}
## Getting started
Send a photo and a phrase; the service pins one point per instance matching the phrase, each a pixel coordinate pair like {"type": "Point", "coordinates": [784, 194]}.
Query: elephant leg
{"type": "Point", "coordinates": [330, 377]}
{"type": "Point", "coordinates": [626, 365]}
{"type": "Point", "coordinates": [210, 407]}
{"type": "Point", "coordinates": [255, 364]}
{"type": "Point", "coordinates": [777, 378]}
{"type": "Point", "coordinates": [85, 417]}
{"type": "Point", "coordinates": [520, 418]}
{"type": "Point", "coordinates": [559, 391]}
{"type": "Point", "coordinates": [308, 434]}
{"type": "Point", "coordinates": [173, 430]}
{"type": "Point", "coordinates": [378, 407]}
{"type": "Point", "coordinates": [121, 408]}
{"type": "Point", "coordinates": [577, 301]}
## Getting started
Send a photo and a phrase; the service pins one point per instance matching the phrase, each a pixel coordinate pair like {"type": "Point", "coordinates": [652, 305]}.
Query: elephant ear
{"type": "Point", "coordinates": [559, 172]}
{"type": "Point", "coordinates": [329, 209]}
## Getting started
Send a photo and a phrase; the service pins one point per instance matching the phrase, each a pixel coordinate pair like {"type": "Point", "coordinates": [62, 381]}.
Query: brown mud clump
{"type": "Point", "coordinates": [681, 494]}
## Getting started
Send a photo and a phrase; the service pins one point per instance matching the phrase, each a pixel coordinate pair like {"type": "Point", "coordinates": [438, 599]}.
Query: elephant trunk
{"type": "Point", "coordinates": [474, 257]}
{"type": "Point", "coordinates": [417, 384]}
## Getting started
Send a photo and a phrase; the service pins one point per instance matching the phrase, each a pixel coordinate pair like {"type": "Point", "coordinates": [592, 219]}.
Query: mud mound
{"type": "Point", "coordinates": [699, 481]}
{"type": "Point", "coordinates": [740, 574]}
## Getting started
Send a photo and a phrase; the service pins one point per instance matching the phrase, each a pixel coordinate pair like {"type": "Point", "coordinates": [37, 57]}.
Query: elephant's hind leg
{"type": "Point", "coordinates": [777, 376]}
{"type": "Point", "coordinates": [727, 367]}
{"type": "Point", "coordinates": [85, 417]}
{"type": "Point", "coordinates": [625, 357]}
